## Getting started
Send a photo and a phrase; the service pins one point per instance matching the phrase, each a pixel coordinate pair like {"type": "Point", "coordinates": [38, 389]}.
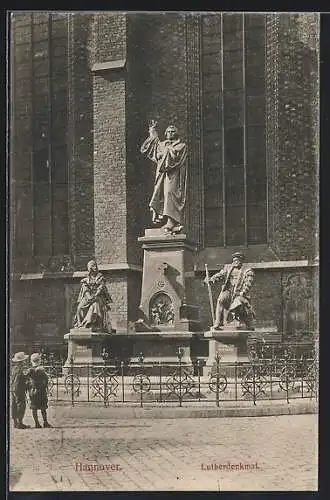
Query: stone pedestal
{"type": "Point", "coordinates": [231, 344]}
{"type": "Point", "coordinates": [167, 298]}
{"type": "Point", "coordinates": [161, 348]}
{"type": "Point", "coordinates": [168, 313]}
{"type": "Point", "coordinates": [84, 347]}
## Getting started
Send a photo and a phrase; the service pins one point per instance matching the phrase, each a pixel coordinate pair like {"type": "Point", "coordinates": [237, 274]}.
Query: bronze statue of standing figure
{"type": "Point", "coordinates": [234, 298]}
{"type": "Point", "coordinates": [169, 194]}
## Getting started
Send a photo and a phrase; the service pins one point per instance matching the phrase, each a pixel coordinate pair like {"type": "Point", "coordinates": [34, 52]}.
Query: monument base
{"type": "Point", "coordinates": [84, 348]}
{"type": "Point", "coordinates": [231, 344]}
{"type": "Point", "coordinates": [160, 351]}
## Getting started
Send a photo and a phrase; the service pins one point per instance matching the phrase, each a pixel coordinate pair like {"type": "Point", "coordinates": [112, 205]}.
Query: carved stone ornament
{"type": "Point", "coordinates": [161, 310]}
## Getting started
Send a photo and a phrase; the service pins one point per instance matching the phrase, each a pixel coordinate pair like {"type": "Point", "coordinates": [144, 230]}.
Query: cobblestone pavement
{"type": "Point", "coordinates": [165, 454]}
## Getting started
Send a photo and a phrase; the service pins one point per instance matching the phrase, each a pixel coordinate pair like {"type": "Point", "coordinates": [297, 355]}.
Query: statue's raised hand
{"type": "Point", "coordinates": [152, 128]}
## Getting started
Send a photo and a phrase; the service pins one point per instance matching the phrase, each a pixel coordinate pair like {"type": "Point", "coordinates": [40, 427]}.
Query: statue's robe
{"type": "Point", "coordinates": [169, 195]}
{"type": "Point", "coordinates": [93, 303]}
{"type": "Point", "coordinates": [240, 306]}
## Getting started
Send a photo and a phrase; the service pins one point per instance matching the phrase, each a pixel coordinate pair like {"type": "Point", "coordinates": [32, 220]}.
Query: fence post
{"type": "Point", "coordinates": [72, 380]}
{"type": "Point", "coordinates": [271, 375]}
{"type": "Point", "coordinates": [199, 379]}
{"type": "Point", "coordinates": [302, 364]}
{"type": "Point", "coordinates": [286, 357]}
{"type": "Point", "coordinates": [122, 380]}
{"type": "Point", "coordinates": [315, 365]}
{"type": "Point", "coordinates": [57, 372]}
{"type": "Point", "coordinates": [217, 359]}
{"type": "Point", "coordinates": [141, 378]}
{"type": "Point", "coordinates": [88, 380]}
{"type": "Point", "coordinates": [160, 382]}
{"type": "Point", "coordinates": [180, 354]}
{"type": "Point", "coordinates": [254, 381]}
{"type": "Point", "coordinates": [105, 356]}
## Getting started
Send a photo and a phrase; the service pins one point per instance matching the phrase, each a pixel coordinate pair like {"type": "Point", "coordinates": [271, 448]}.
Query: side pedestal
{"type": "Point", "coordinates": [84, 348]}
{"type": "Point", "coordinates": [231, 344]}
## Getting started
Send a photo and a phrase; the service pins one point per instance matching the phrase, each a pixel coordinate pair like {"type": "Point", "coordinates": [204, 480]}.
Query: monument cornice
{"type": "Point", "coordinates": [168, 244]}
{"type": "Point", "coordinates": [154, 238]}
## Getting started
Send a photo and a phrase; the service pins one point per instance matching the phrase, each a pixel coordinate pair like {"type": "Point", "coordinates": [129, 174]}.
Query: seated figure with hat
{"type": "Point", "coordinates": [18, 388]}
{"type": "Point", "coordinates": [234, 298]}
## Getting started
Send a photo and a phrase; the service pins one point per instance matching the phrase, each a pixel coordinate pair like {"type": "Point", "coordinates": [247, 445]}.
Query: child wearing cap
{"type": "Point", "coordinates": [18, 388]}
{"type": "Point", "coordinates": [38, 383]}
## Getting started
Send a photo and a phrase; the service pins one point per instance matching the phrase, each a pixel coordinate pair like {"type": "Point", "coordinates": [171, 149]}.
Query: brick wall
{"type": "Point", "coordinates": [111, 183]}
{"type": "Point", "coordinates": [110, 209]}
{"type": "Point", "coordinates": [37, 310]}
{"type": "Point", "coordinates": [295, 126]}
{"type": "Point", "coordinates": [117, 286]}
{"type": "Point", "coordinates": [138, 180]}
{"type": "Point", "coordinates": [164, 70]}
{"type": "Point", "coordinates": [79, 137]}
{"type": "Point", "coordinates": [81, 199]}
{"type": "Point", "coordinates": [160, 54]}
{"type": "Point", "coordinates": [21, 139]}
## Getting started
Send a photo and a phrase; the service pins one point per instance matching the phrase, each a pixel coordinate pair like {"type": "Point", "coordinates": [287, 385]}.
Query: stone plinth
{"type": "Point", "coordinates": [167, 298]}
{"type": "Point", "coordinates": [160, 348]}
{"type": "Point", "coordinates": [84, 347]}
{"type": "Point", "coordinates": [168, 313]}
{"type": "Point", "coordinates": [231, 344]}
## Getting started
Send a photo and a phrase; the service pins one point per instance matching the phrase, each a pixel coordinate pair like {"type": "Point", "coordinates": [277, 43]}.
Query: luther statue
{"type": "Point", "coordinates": [170, 187]}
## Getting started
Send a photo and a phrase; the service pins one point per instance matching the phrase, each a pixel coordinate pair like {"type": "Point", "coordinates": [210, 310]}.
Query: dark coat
{"type": "Point", "coordinates": [244, 281]}
{"type": "Point", "coordinates": [38, 384]}
{"type": "Point", "coordinates": [18, 386]}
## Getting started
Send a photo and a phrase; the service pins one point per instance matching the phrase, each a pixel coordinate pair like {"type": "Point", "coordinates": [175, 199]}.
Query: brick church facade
{"type": "Point", "coordinates": [242, 90]}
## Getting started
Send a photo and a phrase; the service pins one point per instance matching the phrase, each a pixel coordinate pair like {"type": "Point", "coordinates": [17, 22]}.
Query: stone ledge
{"type": "Point", "coordinates": [227, 333]}
{"type": "Point", "coordinates": [261, 409]}
{"type": "Point", "coordinates": [267, 265]}
{"type": "Point", "coordinates": [86, 334]}
{"type": "Point", "coordinates": [168, 334]}
{"type": "Point", "coordinates": [77, 274]}
{"type": "Point", "coordinates": [109, 66]}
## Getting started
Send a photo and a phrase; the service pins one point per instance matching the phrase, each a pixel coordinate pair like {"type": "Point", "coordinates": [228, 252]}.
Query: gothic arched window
{"type": "Point", "coordinates": [234, 124]}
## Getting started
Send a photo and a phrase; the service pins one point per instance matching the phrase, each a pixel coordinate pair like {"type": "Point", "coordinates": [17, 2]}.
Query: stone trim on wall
{"type": "Point", "coordinates": [195, 202]}
{"type": "Point", "coordinates": [110, 65]}
{"type": "Point", "coordinates": [77, 274]}
{"type": "Point", "coordinates": [276, 265]}
{"type": "Point", "coordinates": [272, 147]}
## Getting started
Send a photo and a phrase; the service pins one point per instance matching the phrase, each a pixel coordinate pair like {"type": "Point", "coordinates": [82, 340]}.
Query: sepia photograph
{"type": "Point", "coordinates": [163, 319]}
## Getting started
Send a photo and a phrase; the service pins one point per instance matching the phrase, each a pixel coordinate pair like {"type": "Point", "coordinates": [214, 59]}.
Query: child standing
{"type": "Point", "coordinates": [18, 388]}
{"type": "Point", "coordinates": [38, 383]}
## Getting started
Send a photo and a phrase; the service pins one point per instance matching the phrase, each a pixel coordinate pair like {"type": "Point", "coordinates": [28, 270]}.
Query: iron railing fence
{"type": "Point", "coordinates": [303, 345]}
{"type": "Point", "coordinates": [179, 383]}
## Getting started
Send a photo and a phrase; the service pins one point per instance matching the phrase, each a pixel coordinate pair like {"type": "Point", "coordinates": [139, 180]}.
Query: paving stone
{"type": "Point", "coordinates": [166, 454]}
